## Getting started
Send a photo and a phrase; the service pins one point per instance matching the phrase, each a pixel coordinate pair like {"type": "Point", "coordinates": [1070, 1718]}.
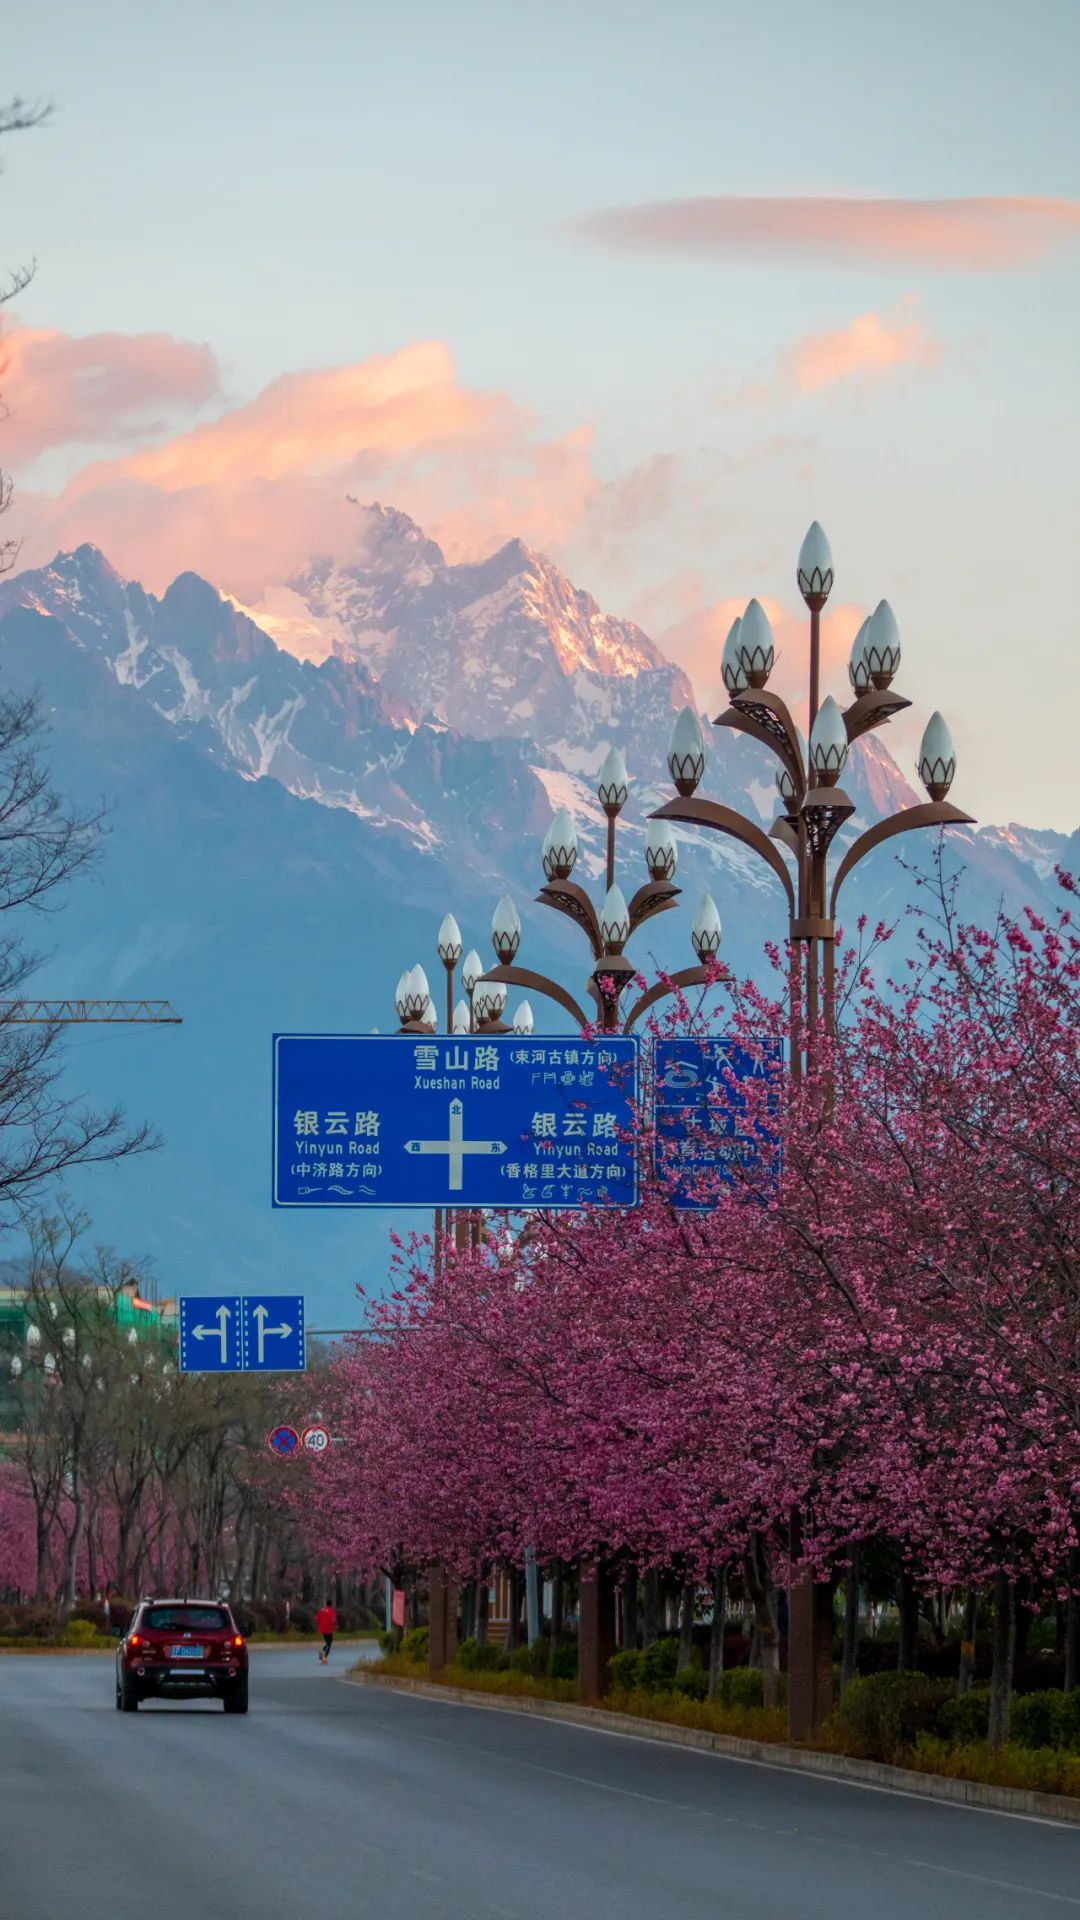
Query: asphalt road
{"type": "Point", "coordinates": [337, 1802]}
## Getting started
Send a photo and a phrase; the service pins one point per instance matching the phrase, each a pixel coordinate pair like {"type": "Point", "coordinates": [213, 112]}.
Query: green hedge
{"type": "Point", "coordinates": [885, 1712]}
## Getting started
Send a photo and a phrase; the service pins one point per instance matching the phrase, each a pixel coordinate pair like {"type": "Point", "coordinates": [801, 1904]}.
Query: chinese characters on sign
{"type": "Point", "coordinates": [707, 1127]}
{"type": "Point", "coordinates": [394, 1121]}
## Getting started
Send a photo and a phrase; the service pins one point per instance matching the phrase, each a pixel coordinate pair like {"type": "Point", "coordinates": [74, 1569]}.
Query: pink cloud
{"type": "Point", "coordinates": [872, 344]}
{"type": "Point", "coordinates": [250, 496]}
{"type": "Point", "coordinates": [970, 234]}
{"type": "Point", "coordinates": [61, 391]}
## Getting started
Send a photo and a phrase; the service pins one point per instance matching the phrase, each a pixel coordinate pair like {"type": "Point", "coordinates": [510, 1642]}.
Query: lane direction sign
{"type": "Point", "coordinates": [706, 1128]}
{"type": "Point", "coordinates": [257, 1333]}
{"type": "Point", "coordinates": [273, 1333]}
{"type": "Point", "coordinates": [211, 1333]}
{"type": "Point", "coordinates": [470, 1120]}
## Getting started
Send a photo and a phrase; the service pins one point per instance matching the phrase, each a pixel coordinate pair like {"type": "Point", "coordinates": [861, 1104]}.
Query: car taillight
{"type": "Point", "coordinates": [136, 1640]}
{"type": "Point", "coordinates": [239, 1640]}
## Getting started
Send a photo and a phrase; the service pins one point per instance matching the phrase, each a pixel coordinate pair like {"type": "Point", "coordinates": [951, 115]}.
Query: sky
{"type": "Point", "coordinates": [650, 287]}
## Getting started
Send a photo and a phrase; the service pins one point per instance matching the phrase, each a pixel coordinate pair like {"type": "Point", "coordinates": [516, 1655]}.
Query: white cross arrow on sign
{"type": "Point", "coordinates": [220, 1332]}
{"type": "Point", "coordinates": [456, 1147]}
{"type": "Point", "coordinates": [265, 1333]}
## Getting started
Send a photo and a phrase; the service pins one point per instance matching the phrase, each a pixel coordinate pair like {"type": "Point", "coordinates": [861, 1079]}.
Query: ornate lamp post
{"type": "Point", "coordinates": [609, 928]}
{"type": "Point", "coordinates": [813, 808]}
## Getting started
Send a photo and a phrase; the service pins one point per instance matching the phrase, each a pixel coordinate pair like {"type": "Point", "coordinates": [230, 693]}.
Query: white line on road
{"type": "Point", "coordinates": [740, 1760]}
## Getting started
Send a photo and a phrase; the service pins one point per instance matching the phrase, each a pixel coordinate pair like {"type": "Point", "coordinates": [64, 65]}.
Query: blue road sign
{"type": "Point", "coordinates": [211, 1333]}
{"type": "Point", "coordinates": [704, 1128]}
{"type": "Point", "coordinates": [284, 1441]}
{"type": "Point", "coordinates": [260, 1333]}
{"type": "Point", "coordinates": [473, 1120]}
{"type": "Point", "coordinates": [273, 1333]}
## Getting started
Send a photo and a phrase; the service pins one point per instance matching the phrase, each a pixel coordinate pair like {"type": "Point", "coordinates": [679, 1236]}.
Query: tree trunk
{"type": "Point", "coordinates": [75, 1538]}
{"type": "Point", "coordinates": [482, 1603]}
{"type": "Point", "coordinates": [687, 1601]}
{"type": "Point", "coordinates": [762, 1592]}
{"type": "Point", "coordinates": [513, 1588]}
{"type": "Point", "coordinates": [850, 1654]}
{"type": "Point", "coordinates": [41, 1545]}
{"type": "Point", "coordinates": [1004, 1652]}
{"type": "Point", "coordinates": [966, 1673]}
{"type": "Point", "coordinates": [556, 1605]}
{"type": "Point", "coordinates": [1072, 1625]}
{"type": "Point", "coordinates": [716, 1632]}
{"type": "Point", "coordinates": [651, 1623]}
{"type": "Point", "coordinates": [908, 1607]}
{"type": "Point", "coordinates": [630, 1609]}
{"type": "Point", "coordinates": [468, 1610]}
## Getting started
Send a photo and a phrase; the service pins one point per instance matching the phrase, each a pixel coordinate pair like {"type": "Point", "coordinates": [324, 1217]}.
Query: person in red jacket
{"type": "Point", "coordinates": [326, 1624]}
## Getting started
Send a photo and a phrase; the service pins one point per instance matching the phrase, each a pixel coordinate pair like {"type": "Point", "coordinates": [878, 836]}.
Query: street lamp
{"type": "Point", "coordinates": [608, 929]}
{"type": "Point", "coordinates": [814, 807]}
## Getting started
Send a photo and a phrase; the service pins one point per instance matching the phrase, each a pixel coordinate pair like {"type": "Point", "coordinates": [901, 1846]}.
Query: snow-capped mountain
{"type": "Point", "coordinates": [287, 833]}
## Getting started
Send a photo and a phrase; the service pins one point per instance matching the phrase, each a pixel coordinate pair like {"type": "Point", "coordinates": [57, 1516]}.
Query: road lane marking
{"type": "Point", "coordinates": [735, 1759]}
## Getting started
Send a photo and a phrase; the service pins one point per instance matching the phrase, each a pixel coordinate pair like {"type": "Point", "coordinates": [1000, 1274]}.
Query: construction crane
{"type": "Point", "coordinates": [48, 1013]}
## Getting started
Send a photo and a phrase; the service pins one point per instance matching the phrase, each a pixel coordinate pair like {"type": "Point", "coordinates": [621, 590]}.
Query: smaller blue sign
{"type": "Point", "coordinates": [284, 1441]}
{"type": "Point", "coordinates": [211, 1333]}
{"type": "Point", "coordinates": [706, 1129]}
{"type": "Point", "coordinates": [273, 1333]}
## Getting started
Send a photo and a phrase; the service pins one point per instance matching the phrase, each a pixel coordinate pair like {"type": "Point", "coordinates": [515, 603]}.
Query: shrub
{"type": "Point", "coordinates": [563, 1664]}
{"type": "Point", "coordinates": [532, 1659]}
{"type": "Point", "coordinates": [37, 1623]}
{"type": "Point", "coordinates": [1069, 1721]}
{"type": "Point", "coordinates": [625, 1670]}
{"type": "Point", "coordinates": [693, 1684]}
{"type": "Point", "coordinates": [658, 1663]}
{"type": "Point", "coordinates": [1036, 1719]}
{"type": "Point", "coordinates": [966, 1718]}
{"type": "Point", "coordinates": [388, 1641]}
{"type": "Point", "coordinates": [475, 1656]}
{"type": "Point", "coordinates": [884, 1713]}
{"type": "Point", "coordinates": [415, 1645]}
{"type": "Point", "coordinates": [741, 1687]}
{"type": "Point", "coordinates": [80, 1633]}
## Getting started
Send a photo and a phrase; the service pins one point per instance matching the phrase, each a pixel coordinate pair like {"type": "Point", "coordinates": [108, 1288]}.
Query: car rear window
{"type": "Point", "coordinates": [186, 1619]}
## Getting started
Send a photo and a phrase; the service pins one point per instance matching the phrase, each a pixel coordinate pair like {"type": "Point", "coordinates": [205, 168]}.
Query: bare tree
{"type": "Point", "coordinates": [18, 116]}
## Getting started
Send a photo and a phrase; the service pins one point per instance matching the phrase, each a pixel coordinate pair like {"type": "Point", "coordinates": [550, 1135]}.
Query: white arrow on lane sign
{"type": "Point", "coordinates": [220, 1332]}
{"type": "Point", "coordinates": [260, 1314]}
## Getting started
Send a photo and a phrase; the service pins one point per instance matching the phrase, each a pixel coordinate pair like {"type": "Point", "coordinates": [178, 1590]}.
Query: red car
{"type": "Point", "coordinates": [175, 1649]}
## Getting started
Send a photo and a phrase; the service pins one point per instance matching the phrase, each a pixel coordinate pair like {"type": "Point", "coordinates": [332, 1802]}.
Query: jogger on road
{"type": "Point", "coordinates": [326, 1624]}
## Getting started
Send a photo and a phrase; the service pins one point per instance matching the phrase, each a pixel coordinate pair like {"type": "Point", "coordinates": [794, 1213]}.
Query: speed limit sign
{"type": "Point", "coordinates": [315, 1440]}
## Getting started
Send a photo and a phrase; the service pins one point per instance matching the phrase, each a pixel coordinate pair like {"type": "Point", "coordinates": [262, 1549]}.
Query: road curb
{"type": "Point", "coordinates": [830, 1766]}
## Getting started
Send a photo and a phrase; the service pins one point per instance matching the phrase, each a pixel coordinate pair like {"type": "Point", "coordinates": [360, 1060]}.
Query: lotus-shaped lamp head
{"type": "Point", "coordinates": [828, 744]}
{"type": "Point", "coordinates": [883, 646]}
{"type": "Point", "coordinates": [560, 847]}
{"type": "Point", "coordinates": [731, 667]}
{"type": "Point", "coordinates": [815, 570]}
{"type": "Point", "coordinates": [614, 921]}
{"type": "Point", "coordinates": [505, 930]}
{"type": "Point", "coordinates": [686, 754]}
{"type": "Point", "coordinates": [523, 1018]}
{"type": "Point", "coordinates": [611, 784]}
{"type": "Point", "coordinates": [757, 653]}
{"type": "Point", "coordinates": [449, 942]}
{"type": "Point", "coordinates": [661, 851]}
{"type": "Point", "coordinates": [859, 666]}
{"type": "Point", "coordinates": [471, 969]}
{"type": "Point", "coordinates": [706, 932]}
{"type": "Point", "coordinates": [937, 758]}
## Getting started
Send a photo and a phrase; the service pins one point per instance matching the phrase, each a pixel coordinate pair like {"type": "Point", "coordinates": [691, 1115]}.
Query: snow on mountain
{"type": "Point", "coordinates": [459, 705]}
{"type": "Point", "coordinates": [504, 647]}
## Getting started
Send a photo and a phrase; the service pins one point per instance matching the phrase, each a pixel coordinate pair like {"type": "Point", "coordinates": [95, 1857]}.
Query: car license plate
{"type": "Point", "coordinates": [185, 1653]}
